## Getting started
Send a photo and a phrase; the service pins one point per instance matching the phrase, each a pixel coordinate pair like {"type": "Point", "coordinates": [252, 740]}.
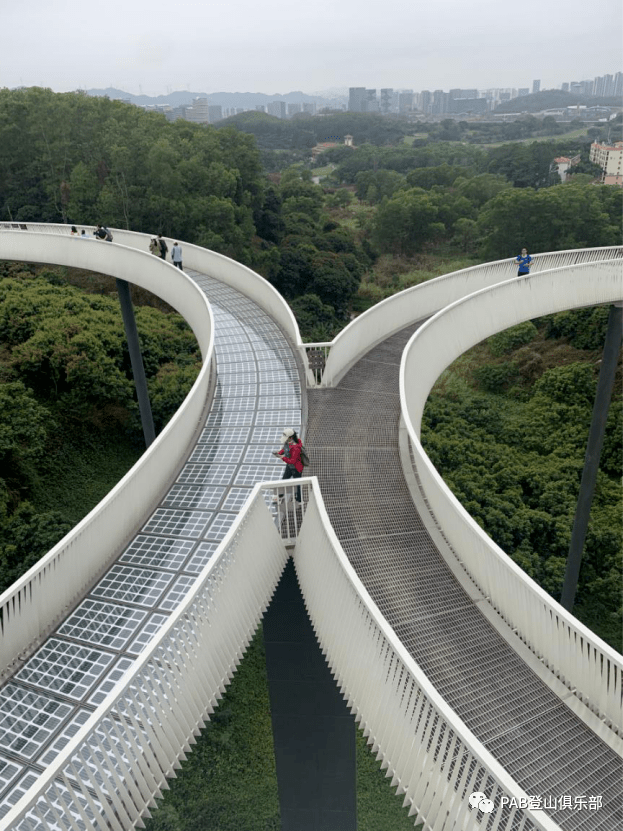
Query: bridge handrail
{"type": "Point", "coordinates": [226, 270]}
{"type": "Point", "coordinates": [422, 301]}
{"type": "Point", "coordinates": [134, 740]}
{"type": "Point", "coordinates": [116, 764]}
{"type": "Point", "coordinates": [44, 593]}
{"type": "Point", "coordinates": [569, 649]}
{"type": "Point", "coordinates": [433, 757]}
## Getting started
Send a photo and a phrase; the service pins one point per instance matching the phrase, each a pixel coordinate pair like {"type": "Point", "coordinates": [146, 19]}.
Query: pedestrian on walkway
{"type": "Point", "coordinates": [163, 247]}
{"type": "Point", "coordinates": [524, 259]}
{"type": "Point", "coordinates": [176, 255]}
{"type": "Point", "coordinates": [290, 454]}
{"type": "Point", "coordinates": [154, 248]}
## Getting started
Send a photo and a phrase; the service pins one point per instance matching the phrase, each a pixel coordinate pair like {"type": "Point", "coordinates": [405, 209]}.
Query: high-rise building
{"type": "Point", "coordinates": [405, 102]}
{"type": "Point", "coordinates": [467, 105]}
{"type": "Point", "coordinates": [387, 96]}
{"type": "Point", "coordinates": [309, 107]}
{"type": "Point", "coordinates": [440, 102]}
{"type": "Point", "coordinates": [426, 101]}
{"type": "Point", "coordinates": [277, 108]}
{"type": "Point", "coordinates": [198, 112]}
{"type": "Point", "coordinates": [523, 91]}
{"type": "Point", "coordinates": [565, 87]}
{"type": "Point", "coordinates": [294, 108]}
{"type": "Point", "coordinates": [357, 99]}
{"type": "Point", "coordinates": [372, 104]}
{"type": "Point", "coordinates": [462, 93]}
{"type": "Point", "coordinates": [215, 113]}
{"type": "Point", "coordinates": [618, 84]}
{"type": "Point", "coordinates": [536, 87]}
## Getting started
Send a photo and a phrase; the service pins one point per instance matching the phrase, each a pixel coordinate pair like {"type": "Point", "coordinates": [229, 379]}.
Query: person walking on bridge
{"type": "Point", "coordinates": [290, 454]}
{"type": "Point", "coordinates": [525, 260]}
{"type": "Point", "coordinates": [176, 255]}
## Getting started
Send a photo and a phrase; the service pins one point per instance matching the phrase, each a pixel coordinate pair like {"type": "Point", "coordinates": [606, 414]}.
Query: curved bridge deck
{"type": "Point", "coordinates": [258, 392]}
{"type": "Point", "coordinates": [353, 436]}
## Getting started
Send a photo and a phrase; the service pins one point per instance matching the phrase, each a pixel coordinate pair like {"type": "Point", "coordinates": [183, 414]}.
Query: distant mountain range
{"type": "Point", "coordinates": [242, 100]}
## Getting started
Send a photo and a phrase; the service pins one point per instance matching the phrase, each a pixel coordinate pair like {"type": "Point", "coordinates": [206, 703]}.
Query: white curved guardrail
{"type": "Point", "coordinates": [199, 259]}
{"type": "Point", "coordinates": [572, 652]}
{"type": "Point", "coordinates": [434, 759]}
{"type": "Point", "coordinates": [113, 769]}
{"type": "Point", "coordinates": [42, 596]}
{"type": "Point", "coordinates": [422, 301]}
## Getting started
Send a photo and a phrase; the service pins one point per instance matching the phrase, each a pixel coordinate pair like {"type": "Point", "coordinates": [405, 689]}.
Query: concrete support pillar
{"type": "Point", "coordinates": [136, 359]}
{"type": "Point", "coordinates": [313, 729]}
{"type": "Point", "coordinates": [605, 384]}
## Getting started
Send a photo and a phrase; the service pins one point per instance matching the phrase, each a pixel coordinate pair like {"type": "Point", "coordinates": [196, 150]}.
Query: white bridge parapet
{"type": "Point", "coordinates": [44, 594]}
{"type": "Point", "coordinates": [433, 758]}
{"type": "Point", "coordinates": [572, 652]}
{"type": "Point", "coordinates": [113, 769]}
{"type": "Point", "coordinates": [424, 300]}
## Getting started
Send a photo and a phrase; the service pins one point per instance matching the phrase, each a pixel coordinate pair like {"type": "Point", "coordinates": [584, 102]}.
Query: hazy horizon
{"type": "Point", "coordinates": [150, 48]}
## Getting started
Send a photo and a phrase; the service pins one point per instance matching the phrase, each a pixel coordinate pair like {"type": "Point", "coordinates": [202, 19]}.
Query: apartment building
{"type": "Point", "coordinates": [609, 157]}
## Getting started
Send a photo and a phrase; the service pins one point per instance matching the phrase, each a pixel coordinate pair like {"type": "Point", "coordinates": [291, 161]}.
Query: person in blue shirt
{"type": "Point", "coordinates": [524, 259]}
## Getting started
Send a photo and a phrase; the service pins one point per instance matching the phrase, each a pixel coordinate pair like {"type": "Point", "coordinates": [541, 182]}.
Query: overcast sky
{"type": "Point", "coordinates": [272, 46]}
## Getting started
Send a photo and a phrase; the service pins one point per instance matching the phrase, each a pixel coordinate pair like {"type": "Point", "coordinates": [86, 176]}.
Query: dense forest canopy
{"type": "Point", "coordinates": [65, 380]}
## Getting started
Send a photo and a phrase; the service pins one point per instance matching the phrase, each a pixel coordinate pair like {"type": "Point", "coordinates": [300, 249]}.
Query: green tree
{"type": "Point", "coordinates": [551, 219]}
{"type": "Point", "coordinates": [404, 223]}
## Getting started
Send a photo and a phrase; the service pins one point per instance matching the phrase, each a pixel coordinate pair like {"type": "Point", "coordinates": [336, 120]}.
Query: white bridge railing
{"type": "Point", "coordinates": [111, 772]}
{"type": "Point", "coordinates": [572, 652]}
{"type": "Point", "coordinates": [223, 268]}
{"type": "Point", "coordinates": [420, 302]}
{"type": "Point", "coordinates": [44, 594]}
{"type": "Point", "coordinates": [433, 758]}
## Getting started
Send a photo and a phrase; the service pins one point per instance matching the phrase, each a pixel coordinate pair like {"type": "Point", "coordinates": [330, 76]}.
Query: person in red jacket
{"type": "Point", "coordinates": [290, 454]}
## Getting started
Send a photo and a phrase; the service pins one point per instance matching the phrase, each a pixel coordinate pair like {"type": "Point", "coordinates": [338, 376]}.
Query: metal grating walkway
{"type": "Point", "coordinates": [258, 392]}
{"type": "Point", "coordinates": [353, 439]}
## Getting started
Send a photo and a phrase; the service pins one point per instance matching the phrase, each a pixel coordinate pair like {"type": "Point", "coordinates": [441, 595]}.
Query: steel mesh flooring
{"type": "Point", "coordinates": [352, 437]}
{"type": "Point", "coordinates": [257, 394]}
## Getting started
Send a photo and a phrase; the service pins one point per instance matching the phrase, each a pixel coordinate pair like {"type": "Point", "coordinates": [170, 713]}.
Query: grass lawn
{"type": "Point", "coordinates": [323, 171]}
{"type": "Point", "coordinates": [229, 781]}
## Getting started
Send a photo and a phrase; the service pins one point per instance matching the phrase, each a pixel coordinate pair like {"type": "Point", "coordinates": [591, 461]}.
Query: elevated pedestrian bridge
{"type": "Point", "coordinates": [465, 676]}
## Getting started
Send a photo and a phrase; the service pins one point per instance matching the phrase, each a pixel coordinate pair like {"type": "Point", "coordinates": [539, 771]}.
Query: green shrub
{"type": "Point", "coordinates": [510, 339]}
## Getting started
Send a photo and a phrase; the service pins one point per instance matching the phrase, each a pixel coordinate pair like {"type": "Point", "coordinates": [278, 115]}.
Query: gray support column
{"type": "Point", "coordinates": [136, 359]}
{"type": "Point", "coordinates": [593, 453]}
{"type": "Point", "coordinates": [313, 729]}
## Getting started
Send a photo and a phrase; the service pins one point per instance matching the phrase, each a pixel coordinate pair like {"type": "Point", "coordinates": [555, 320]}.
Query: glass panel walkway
{"type": "Point", "coordinates": [258, 393]}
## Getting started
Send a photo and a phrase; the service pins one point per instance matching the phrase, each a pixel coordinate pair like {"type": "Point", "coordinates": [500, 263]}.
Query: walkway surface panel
{"type": "Point", "coordinates": [352, 436]}
{"type": "Point", "coordinates": [258, 393]}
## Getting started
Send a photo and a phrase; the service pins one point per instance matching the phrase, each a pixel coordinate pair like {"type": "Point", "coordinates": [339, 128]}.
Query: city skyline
{"type": "Point", "coordinates": [143, 48]}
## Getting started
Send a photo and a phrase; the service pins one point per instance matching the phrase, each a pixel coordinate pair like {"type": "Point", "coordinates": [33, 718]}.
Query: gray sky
{"type": "Point", "coordinates": [276, 47]}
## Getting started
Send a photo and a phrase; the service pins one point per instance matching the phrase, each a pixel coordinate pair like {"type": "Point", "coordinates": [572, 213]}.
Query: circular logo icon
{"type": "Point", "coordinates": [475, 798]}
{"type": "Point", "coordinates": [481, 801]}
